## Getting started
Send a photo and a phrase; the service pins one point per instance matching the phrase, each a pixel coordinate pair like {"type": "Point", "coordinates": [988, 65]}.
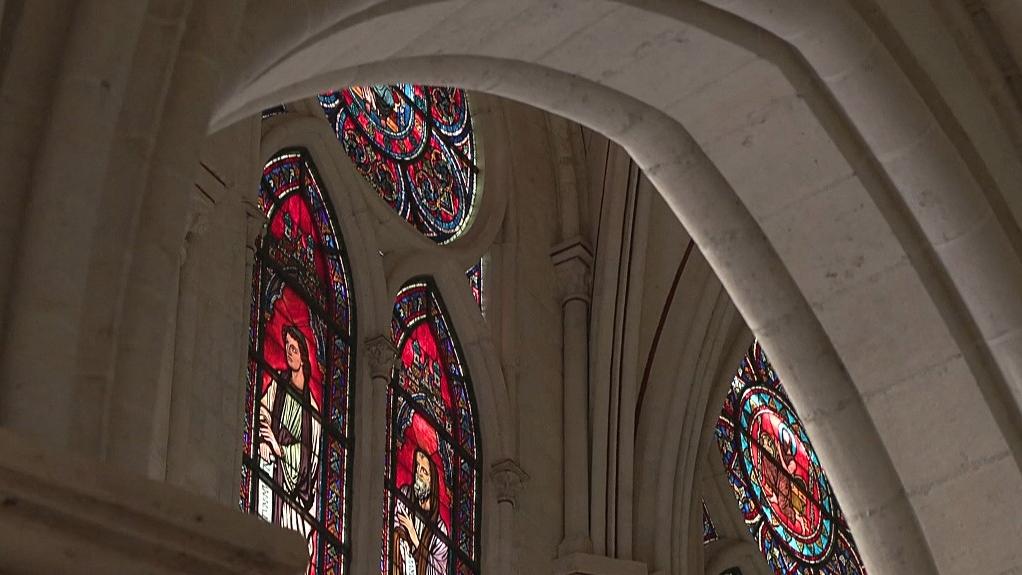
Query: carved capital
{"type": "Point", "coordinates": [381, 353]}
{"type": "Point", "coordinates": [573, 262]}
{"type": "Point", "coordinates": [508, 478]}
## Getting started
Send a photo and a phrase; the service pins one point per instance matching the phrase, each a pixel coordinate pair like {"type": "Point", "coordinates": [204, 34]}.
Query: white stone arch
{"type": "Point", "coordinates": [943, 298]}
{"type": "Point", "coordinates": [642, 131]}
{"type": "Point", "coordinates": [884, 173]}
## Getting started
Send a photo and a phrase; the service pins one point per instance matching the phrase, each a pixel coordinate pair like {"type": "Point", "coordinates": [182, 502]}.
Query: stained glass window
{"type": "Point", "coordinates": [432, 502]}
{"type": "Point", "coordinates": [416, 146]}
{"type": "Point", "coordinates": [297, 450]}
{"type": "Point", "coordinates": [475, 280]}
{"type": "Point", "coordinates": [781, 487]}
{"type": "Point", "coordinates": [709, 531]}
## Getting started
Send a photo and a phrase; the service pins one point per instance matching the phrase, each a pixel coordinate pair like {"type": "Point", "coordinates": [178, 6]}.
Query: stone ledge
{"type": "Point", "coordinates": [588, 564]}
{"type": "Point", "coordinates": [62, 514]}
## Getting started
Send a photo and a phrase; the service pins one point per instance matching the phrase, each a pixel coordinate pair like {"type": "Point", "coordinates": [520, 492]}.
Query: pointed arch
{"type": "Point", "coordinates": [297, 458]}
{"type": "Point", "coordinates": [779, 483]}
{"type": "Point", "coordinates": [433, 443]}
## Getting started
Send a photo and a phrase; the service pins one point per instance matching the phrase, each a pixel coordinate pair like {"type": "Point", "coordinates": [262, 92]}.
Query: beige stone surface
{"type": "Point", "coordinates": [848, 172]}
{"type": "Point", "coordinates": [60, 513]}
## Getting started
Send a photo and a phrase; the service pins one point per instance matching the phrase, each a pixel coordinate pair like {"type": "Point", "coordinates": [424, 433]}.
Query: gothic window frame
{"type": "Point", "coordinates": [340, 364]}
{"type": "Point", "coordinates": [457, 558]}
{"type": "Point", "coordinates": [757, 388]}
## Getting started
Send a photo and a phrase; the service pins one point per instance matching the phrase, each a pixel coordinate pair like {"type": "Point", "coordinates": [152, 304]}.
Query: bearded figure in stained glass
{"type": "Point", "coordinates": [431, 511]}
{"type": "Point", "coordinates": [420, 525]}
{"type": "Point", "coordinates": [289, 436]}
{"type": "Point", "coordinates": [416, 547]}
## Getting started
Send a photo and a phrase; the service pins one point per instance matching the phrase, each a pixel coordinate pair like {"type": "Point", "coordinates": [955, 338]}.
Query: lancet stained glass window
{"type": "Point", "coordinates": [416, 146]}
{"type": "Point", "coordinates": [475, 281]}
{"type": "Point", "coordinates": [297, 438]}
{"type": "Point", "coordinates": [709, 531]}
{"type": "Point", "coordinates": [781, 487]}
{"type": "Point", "coordinates": [432, 502]}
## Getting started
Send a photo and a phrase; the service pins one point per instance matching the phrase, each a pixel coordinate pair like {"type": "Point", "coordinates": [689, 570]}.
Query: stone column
{"type": "Point", "coordinates": [573, 264]}
{"type": "Point", "coordinates": [508, 479]}
{"type": "Point", "coordinates": [381, 354]}
{"type": "Point", "coordinates": [150, 298]}
{"type": "Point", "coordinates": [46, 302]}
{"type": "Point", "coordinates": [370, 451]}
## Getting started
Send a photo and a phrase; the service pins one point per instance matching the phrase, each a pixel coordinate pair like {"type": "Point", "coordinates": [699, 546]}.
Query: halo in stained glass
{"type": "Point", "coordinates": [432, 499]}
{"type": "Point", "coordinates": [781, 487]}
{"type": "Point", "coordinates": [296, 469]}
{"type": "Point", "coordinates": [416, 146]}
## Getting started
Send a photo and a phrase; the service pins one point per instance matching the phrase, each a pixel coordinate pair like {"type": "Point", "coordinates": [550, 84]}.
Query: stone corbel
{"type": "Point", "coordinates": [573, 262]}
{"type": "Point", "coordinates": [508, 479]}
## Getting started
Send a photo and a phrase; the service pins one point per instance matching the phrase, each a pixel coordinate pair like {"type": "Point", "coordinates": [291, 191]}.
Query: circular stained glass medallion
{"type": "Point", "coordinates": [785, 475]}
{"type": "Point", "coordinates": [778, 480]}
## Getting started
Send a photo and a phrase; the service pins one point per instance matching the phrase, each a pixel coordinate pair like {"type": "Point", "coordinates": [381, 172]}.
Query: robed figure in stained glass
{"type": "Point", "coordinates": [417, 548]}
{"type": "Point", "coordinates": [296, 459]}
{"type": "Point", "coordinates": [432, 497]}
{"type": "Point", "coordinates": [417, 520]}
{"type": "Point", "coordinates": [289, 437]}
